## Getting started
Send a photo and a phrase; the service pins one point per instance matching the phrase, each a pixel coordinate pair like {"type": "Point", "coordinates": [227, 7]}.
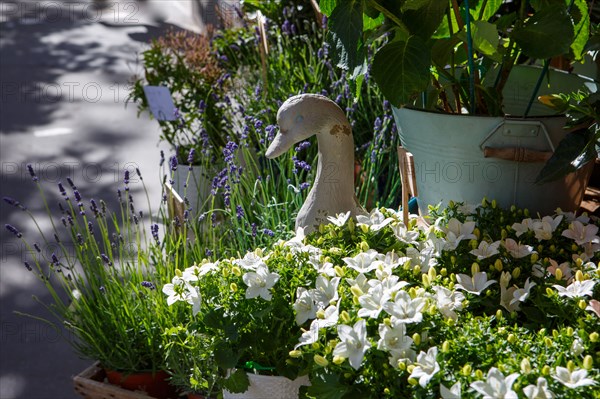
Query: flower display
{"type": "Point", "coordinates": [479, 303]}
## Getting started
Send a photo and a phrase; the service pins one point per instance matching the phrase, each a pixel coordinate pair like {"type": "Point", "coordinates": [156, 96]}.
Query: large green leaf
{"type": "Point", "coordinates": [485, 39]}
{"type": "Point", "coordinates": [548, 33]}
{"type": "Point", "coordinates": [486, 9]}
{"type": "Point", "coordinates": [582, 27]}
{"type": "Point", "coordinates": [426, 19]}
{"type": "Point", "coordinates": [401, 69]}
{"type": "Point", "coordinates": [225, 357]}
{"type": "Point", "coordinates": [574, 151]}
{"type": "Point", "coordinates": [327, 386]}
{"type": "Point", "coordinates": [345, 34]}
{"type": "Point", "coordinates": [327, 6]}
{"type": "Point", "coordinates": [237, 382]}
{"type": "Point", "coordinates": [414, 4]}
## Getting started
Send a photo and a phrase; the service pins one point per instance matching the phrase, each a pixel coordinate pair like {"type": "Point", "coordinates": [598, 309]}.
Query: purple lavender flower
{"type": "Point", "coordinates": [302, 146]}
{"type": "Point", "coordinates": [285, 27]}
{"type": "Point", "coordinates": [148, 285]}
{"type": "Point", "coordinates": [55, 260]}
{"type": "Point", "coordinates": [201, 106]}
{"type": "Point", "coordinates": [254, 229]}
{"type": "Point", "coordinates": [62, 190]}
{"type": "Point", "coordinates": [77, 195]}
{"type": "Point", "coordinates": [102, 289]}
{"type": "Point", "coordinates": [268, 232]}
{"type": "Point", "coordinates": [324, 22]}
{"type": "Point", "coordinates": [173, 163]}
{"type": "Point", "coordinates": [56, 238]}
{"type": "Point", "coordinates": [126, 178]}
{"type": "Point", "coordinates": [27, 266]}
{"type": "Point", "coordinates": [31, 172]}
{"type": "Point", "coordinates": [106, 259]}
{"type": "Point", "coordinates": [162, 158]}
{"type": "Point", "coordinates": [13, 230]}
{"type": "Point", "coordinates": [304, 186]}
{"type": "Point", "coordinates": [14, 202]}
{"type": "Point", "coordinates": [64, 221]}
{"type": "Point", "coordinates": [70, 220]}
{"type": "Point", "coordinates": [208, 252]}
{"type": "Point", "coordinates": [154, 231]}
{"type": "Point", "coordinates": [239, 211]}
{"type": "Point", "coordinates": [137, 171]}
{"type": "Point", "coordinates": [37, 247]}
{"type": "Point", "coordinates": [271, 130]}
{"type": "Point", "coordinates": [190, 158]}
{"type": "Point", "coordinates": [90, 228]}
{"type": "Point", "coordinates": [80, 239]}
{"type": "Point", "coordinates": [119, 195]}
{"type": "Point", "coordinates": [70, 181]}
{"type": "Point", "coordinates": [135, 219]}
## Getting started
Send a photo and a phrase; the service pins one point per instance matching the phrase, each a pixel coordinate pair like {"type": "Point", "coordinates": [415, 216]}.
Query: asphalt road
{"type": "Point", "coordinates": [65, 68]}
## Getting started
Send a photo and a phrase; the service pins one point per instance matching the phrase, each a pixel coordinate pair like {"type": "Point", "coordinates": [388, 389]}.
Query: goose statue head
{"type": "Point", "coordinates": [332, 193]}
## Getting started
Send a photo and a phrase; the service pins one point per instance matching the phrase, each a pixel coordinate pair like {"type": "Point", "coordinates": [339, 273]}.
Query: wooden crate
{"type": "Point", "coordinates": [91, 384]}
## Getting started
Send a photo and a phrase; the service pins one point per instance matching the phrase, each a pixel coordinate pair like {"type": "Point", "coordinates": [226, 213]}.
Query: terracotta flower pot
{"type": "Point", "coordinates": [154, 384]}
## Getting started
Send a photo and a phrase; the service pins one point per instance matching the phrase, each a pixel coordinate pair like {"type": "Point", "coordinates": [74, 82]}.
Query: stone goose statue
{"type": "Point", "coordinates": [332, 193]}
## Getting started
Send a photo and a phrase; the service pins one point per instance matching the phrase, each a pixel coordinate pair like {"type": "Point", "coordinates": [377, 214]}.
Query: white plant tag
{"type": "Point", "coordinates": [160, 102]}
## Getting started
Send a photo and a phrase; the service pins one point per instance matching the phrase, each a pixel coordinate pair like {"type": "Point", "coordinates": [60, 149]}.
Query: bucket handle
{"type": "Point", "coordinates": [518, 154]}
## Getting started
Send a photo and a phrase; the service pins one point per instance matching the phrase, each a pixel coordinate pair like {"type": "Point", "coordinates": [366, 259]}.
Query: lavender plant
{"type": "Point", "coordinates": [102, 278]}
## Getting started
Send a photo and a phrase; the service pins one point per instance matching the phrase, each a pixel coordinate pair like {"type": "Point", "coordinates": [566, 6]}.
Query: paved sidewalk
{"type": "Point", "coordinates": [64, 73]}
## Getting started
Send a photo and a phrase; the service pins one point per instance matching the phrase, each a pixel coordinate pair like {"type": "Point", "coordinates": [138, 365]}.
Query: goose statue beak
{"type": "Point", "coordinates": [283, 141]}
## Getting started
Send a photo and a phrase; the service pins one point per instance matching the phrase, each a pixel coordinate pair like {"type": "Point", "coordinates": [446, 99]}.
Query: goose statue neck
{"type": "Point", "coordinates": [301, 117]}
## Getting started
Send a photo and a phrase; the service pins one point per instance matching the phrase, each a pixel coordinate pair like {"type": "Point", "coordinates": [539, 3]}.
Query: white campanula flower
{"type": "Point", "coordinates": [573, 379]}
{"type": "Point", "coordinates": [577, 347]}
{"type": "Point", "coordinates": [403, 234]}
{"type": "Point", "coordinates": [391, 284]}
{"type": "Point", "coordinates": [521, 294]}
{"type": "Point", "coordinates": [393, 339]}
{"type": "Point", "coordinates": [457, 232]}
{"type": "Point", "coordinates": [194, 298]}
{"type": "Point", "coordinates": [571, 216]}
{"type": "Point", "coordinates": [426, 366]}
{"type": "Point", "coordinates": [517, 250]}
{"type": "Point", "coordinates": [375, 220]}
{"type": "Point", "coordinates": [330, 317]}
{"type": "Point", "coordinates": [565, 270]}
{"type": "Point", "coordinates": [176, 290]}
{"type": "Point", "coordinates": [538, 391]}
{"type": "Point", "coordinates": [310, 336]}
{"type": "Point", "coordinates": [582, 234]}
{"type": "Point", "coordinates": [448, 301]}
{"type": "Point", "coordinates": [507, 294]}
{"type": "Point", "coordinates": [452, 393]}
{"type": "Point", "coordinates": [486, 250]}
{"type": "Point", "coordinates": [474, 285]}
{"type": "Point", "coordinates": [340, 219]}
{"type": "Point", "coordinates": [496, 385]}
{"type": "Point", "coordinates": [594, 306]}
{"type": "Point", "coordinates": [250, 261]}
{"type": "Point", "coordinates": [576, 289]}
{"type": "Point", "coordinates": [326, 291]}
{"type": "Point", "coordinates": [305, 306]}
{"type": "Point", "coordinates": [260, 282]}
{"type": "Point", "coordinates": [404, 309]}
{"type": "Point", "coordinates": [353, 343]}
{"type": "Point", "coordinates": [544, 228]}
{"type": "Point", "coordinates": [425, 258]}
{"type": "Point", "coordinates": [523, 227]}
{"type": "Point", "coordinates": [193, 273]}
{"type": "Point", "coordinates": [324, 268]}
{"type": "Point", "coordinates": [360, 281]}
{"type": "Point", "coordinates": [372, 302]}
{"type": "Point", "coordinates": [364, 262]}
{"type": "Point", "coordinates": [537, 270]}
{"type": "Point", "coordinates": [468, 209]}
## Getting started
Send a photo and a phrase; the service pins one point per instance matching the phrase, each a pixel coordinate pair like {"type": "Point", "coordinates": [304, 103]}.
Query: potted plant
{"type": "Point", "coordinates": [485, 302]}
{"type": "Point", "coordinates": [244, 305]}
{"type": "Point", "coordinates": [187, 64]}
{"type": "Point", "coordinates": [437, 58]}
{"type": "Point", "coordinates": [102, 277]}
